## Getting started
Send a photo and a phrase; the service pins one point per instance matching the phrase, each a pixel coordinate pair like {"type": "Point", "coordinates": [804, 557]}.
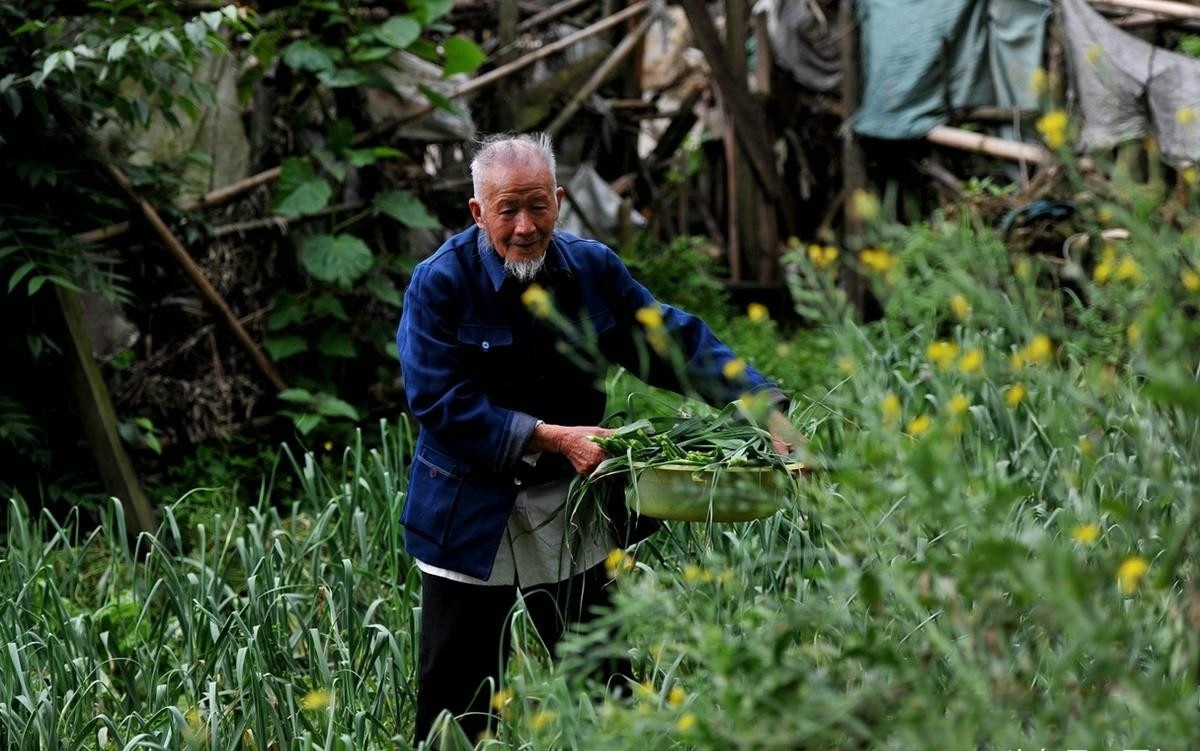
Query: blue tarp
{"type": "Point", "coordinates": [921, 60]}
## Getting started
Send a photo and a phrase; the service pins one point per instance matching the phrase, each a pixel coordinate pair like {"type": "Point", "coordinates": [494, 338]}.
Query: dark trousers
{"type": "Point", "coordinates": [465, 640]}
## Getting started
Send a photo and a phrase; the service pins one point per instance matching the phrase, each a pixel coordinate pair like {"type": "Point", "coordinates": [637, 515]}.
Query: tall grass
{"type": "Point", "coordinates": [286, 624]}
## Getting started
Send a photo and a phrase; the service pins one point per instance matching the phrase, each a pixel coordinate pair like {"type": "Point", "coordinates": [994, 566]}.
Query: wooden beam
{"type": "Point", "coordinates": [99, 419]}
{"type": "Point", "coordinates": [197, 276]}
{"type": "Point", "coordinates": [957, 138]}
{"type": "Point", "coordinates": [1161, 7]}
{"type": "Point", "coordinates": [600, 75]}
{"type": "Point", "coordinates": [740, 107]}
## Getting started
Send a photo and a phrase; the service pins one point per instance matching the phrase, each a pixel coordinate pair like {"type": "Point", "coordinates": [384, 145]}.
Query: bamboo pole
{"type": "Point", "coordinates": [957, 138]}
{"type": "Point", "coordinates": [197, 276]}
{"type": "Point", "coordinates": [504, 71]}
{"type": "Point", "coordinates": [551, 13]}
{"type": "Point", "coordinates": [1161, 7]}
{"type": "Point", "coordinates": [622, 50]}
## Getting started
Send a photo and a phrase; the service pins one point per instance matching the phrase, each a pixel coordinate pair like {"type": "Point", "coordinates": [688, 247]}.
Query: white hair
{"type": "Point", "coordinates": [509, 148]}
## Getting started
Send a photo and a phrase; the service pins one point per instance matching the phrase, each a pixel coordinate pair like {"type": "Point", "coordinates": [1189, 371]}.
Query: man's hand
{"type": "Point", "coordinates": [572, 441]}
{"type": "Point", "coordinates": [785, 437]}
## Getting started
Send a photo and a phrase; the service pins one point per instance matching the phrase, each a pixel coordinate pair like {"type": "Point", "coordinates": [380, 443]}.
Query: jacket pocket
{"type": "Point", "coordinates": [485, 338]}
{"type": "Point", "coordinates": [434, 493]}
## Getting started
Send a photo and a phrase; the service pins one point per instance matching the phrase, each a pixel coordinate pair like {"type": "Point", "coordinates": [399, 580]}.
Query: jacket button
{"type": "Point", "coordinates": [486, 345]}
{"type": "Point", "coordinates": [517, 481]}
{"type": "Point", "coordinates": [432, 472]}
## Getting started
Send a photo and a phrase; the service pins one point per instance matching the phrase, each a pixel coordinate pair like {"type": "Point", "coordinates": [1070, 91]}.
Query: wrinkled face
{"type": "Point", "coordinates": [518, 210]}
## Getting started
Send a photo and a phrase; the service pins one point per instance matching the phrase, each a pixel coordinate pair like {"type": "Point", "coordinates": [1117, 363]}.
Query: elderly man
{"type": "Point", "coordinates": [508, 400]}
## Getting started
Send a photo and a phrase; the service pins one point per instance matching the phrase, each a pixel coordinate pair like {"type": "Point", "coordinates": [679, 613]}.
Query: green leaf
{"type": "Point", "coordinates": [335, 343]}
{"type": "Point", "coordinates": [429, 11]}
{"type": "Point", "coordinates": [399, 31]}
{"type": "Point", "coordinates": [304, 55]}
{"type": "Point", "coordinates": [300, 190]}
{"type": "Point", "coordinates": [281, 347]}
{"type": "Point", "coordinates": [342, 78]}
{"type": "Point", "coordinates": [462, 56]}
{"type": "Point", "coordinates": [330, 305]}
{"type": "Point", "coordinates": [406, 208]}
{"type": "Point", "coordinates": [306, 423]}
{"type": "Point", "coordinates": [287, 310]}
{"type": "Point", "coordinates": [361, 157]}
{"type": "Point", "coordinates": [334, 407]}
{"type": "Point", "coordinates": [385, 291]}
{"type": "Point", "coordinates": [340, 259]}
{"type": "Point", "coordinates": [441, 102]}
{"type": "Point", "coordinates": [297, 396]}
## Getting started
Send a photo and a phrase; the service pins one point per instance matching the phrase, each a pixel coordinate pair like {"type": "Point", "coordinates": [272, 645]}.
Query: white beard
{"type": "Point", "coordinates": [524, 271]}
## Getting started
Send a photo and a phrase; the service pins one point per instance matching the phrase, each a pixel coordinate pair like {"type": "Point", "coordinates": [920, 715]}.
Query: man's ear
{"type": "Point", "coordinates": [559, 193]}
{"type": "Point", "coordinates": [476, 211]}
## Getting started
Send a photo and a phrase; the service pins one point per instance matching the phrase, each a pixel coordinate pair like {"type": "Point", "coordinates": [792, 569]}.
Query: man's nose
{"type": "Point", "coordinates": [524, 223]}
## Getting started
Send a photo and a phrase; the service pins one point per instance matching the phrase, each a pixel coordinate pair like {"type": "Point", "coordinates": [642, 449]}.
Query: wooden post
{"type": "Point", "coordinates": [508, 101]}
{"type": "Point", "coordinates": [99, 419]}
{"type": "Point", "coordinates": [853, 163]}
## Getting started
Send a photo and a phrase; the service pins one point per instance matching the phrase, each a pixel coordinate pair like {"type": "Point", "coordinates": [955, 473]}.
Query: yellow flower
{"type": "Point", "coordinates": [957, 405]}
{"type": "Point", "coordinates": [618, 562]}
{"type": "Point", "coordinates": [961, 307]}
{"type": "Point", "coordinates": [692, 573]}
{"type": "Point", "coordinates": [877, 259]}
{"type": "Point", "coordinates": [316, 699]}
{"type": "Point", "coordinates": [1085, 445]}
{"type": "Point", "coordinates": [676, 695]}
{"type": "Point", "coordinates": [501, 698]}
{"type": "Point", "coordinates": [1039, 349]}
{"type": "Point", "coordinates": [1093, 54]}
{"type": "Point", "coordinates": [644, 690]}
{"type": "Point", "coordinates": [1014, 395]}
{"type": "Point", "coordinates": [1103, 271]}
{"type": "Point", "coordinates": [822, 256]}
{"type": "Point", "coordinates": [650, 317]}
{"type": "Point", "coordinates": [1039, 80]}
{"type": "Point", "coordinates": [918, 425]}
{"type": "Point", "coordinates": [1086, 533]}
{"type": "Point", "coordinates": [783, 349]}
{"type": "Point", "coordinates": [863, 205]}
{"type": "Point", "coordinates": [1017, 359]}
{"type": "Point", "coordinates": [734, 368]}
{"type": "Point", "coordinates": [541, 719]}
{"type": "Point", "coordinates": [195, 720]}
{"type": "Point", "coordinates": [891, 408]}
{"type": "Point", "coordinates": [1104, 215]}
{"type": "Point", "coordinates": [1053, 127]}
{"type": "Point", "coordinates": [845, 365]}
{"type": "Point", "coordinates": [1185, 115]}
{"type": "Point", "coordinates": [971, 361]}
{"type": "Point", "coordinates": [1130, 574]}
{"type": "Point", "coordinates": [1190, 175]}
{"type": "Point", "coordinates": [537, 300]}
{"type": "Point", "coordinates": [1190, 279]}
{"type": "Point", "coordinates": [1133, 333]}
{"type": "Point", "coordinates": [1128, 270]}
{"type": "Point", "coordinates": [686, 722]}
{"type": "Point", "coordinates": [942, 353]}
{"type": "Point", "coordinates": [757, 312]}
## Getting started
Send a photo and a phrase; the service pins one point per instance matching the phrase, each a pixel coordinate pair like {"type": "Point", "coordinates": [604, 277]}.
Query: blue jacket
{"type": "Point", "coordinates": [480, 370]}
